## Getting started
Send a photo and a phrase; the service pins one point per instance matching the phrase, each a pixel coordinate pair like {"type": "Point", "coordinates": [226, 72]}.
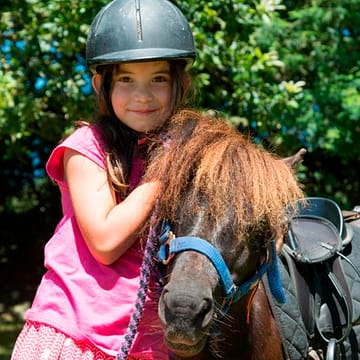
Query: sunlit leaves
{"type": "Point", "coordinates": [289, 75]}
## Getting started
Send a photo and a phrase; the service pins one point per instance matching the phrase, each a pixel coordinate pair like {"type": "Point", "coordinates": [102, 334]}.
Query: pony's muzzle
{"type": "Point", "coordinates": [186, 310]}
{"type": "Point", "coordinates": [186, 316]}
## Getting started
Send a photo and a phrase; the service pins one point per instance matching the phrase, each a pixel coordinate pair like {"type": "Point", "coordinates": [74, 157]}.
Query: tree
{"type": "Point", "coordinates": [287, 72]}
{"type": "Point", "coordinates": [319, 44]}
{"type": "Point", "coordinates": [43, 88]}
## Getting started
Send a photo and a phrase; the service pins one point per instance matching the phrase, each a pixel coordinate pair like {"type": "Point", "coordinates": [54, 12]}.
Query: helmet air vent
{"type": "Point", "coordinates": [138, 21]}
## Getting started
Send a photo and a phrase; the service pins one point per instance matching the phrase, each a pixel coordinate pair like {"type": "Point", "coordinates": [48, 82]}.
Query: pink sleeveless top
{"type": "Point", "coordinates": [79, 296]}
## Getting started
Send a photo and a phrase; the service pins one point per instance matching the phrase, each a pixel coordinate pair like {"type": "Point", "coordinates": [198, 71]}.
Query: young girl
{"type": "Point", "coordinates": [139, 52]}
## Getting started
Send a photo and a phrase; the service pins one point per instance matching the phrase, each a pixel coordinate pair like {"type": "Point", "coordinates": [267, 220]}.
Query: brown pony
{"type": "Point", "coordinates": [217, 185]}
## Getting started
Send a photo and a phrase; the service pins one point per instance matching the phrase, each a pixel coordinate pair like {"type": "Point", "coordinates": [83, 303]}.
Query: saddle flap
{"type": "Point", "coordinates": [333, 301]}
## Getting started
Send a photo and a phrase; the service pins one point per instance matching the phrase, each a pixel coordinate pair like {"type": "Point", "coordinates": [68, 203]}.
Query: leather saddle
{"type": "Point", "coordinates": [318, 248]}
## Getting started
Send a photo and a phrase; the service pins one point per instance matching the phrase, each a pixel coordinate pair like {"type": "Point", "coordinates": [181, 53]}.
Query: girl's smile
{"type": "Point", "coordinates": [141, 94]}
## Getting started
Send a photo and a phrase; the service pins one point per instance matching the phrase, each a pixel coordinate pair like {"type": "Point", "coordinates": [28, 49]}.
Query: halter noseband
{"type": "Point", "coordinates": [171, 245]}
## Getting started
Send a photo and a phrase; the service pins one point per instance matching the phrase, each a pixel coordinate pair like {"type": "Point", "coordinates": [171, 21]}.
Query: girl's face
{"type": "Point", "coordinates": [141, 94]}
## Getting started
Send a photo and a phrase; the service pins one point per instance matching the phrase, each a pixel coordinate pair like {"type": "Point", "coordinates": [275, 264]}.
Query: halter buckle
{"type": "Point", "coordinates": [165, 255]}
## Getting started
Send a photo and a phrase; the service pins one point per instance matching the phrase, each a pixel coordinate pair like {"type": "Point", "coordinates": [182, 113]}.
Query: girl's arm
{"type": "Point", "coordinates": [109, 229]}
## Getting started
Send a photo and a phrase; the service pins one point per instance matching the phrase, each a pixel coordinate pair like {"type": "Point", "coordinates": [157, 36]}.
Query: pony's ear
{"type": "Point", "coordinates": [96, 83]}
{"type": "Point", "coordinates": [295, 160]}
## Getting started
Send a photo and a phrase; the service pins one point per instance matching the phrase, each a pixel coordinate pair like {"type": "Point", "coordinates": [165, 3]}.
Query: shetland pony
{"type": "Point", "coordinates": [218, 186]}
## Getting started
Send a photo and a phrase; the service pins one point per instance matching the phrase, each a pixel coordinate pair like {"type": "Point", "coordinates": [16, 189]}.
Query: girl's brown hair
{"type": "Point", "coordinates": [119, 140]}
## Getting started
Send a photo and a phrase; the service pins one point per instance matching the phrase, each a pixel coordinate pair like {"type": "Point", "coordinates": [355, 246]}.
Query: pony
{"type": "Point", "coordinates": [219, 188]}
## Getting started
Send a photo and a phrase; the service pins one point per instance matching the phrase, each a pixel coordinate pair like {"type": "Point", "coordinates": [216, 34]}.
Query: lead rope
{"type": "Point", "coordinates": [146, 268]}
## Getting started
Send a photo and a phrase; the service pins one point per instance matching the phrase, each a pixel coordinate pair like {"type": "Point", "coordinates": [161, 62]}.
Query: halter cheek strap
{"type": "Point", "coordinates": [274, 277]}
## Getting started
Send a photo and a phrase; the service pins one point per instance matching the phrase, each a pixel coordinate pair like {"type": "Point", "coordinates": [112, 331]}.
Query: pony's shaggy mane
{"type": "Point", "coordinates": [205, 159]}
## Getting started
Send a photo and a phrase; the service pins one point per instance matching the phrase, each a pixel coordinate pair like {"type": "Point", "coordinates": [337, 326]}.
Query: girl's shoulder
{"type": "Point", "coordinates": [85, 136]}
{"type": "Point", "coordinates": [86, 141]}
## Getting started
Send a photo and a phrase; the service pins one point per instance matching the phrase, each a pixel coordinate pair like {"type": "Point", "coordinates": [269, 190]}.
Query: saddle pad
{"type": "Point", "coordinates": [352, 251]}
{"type": "Point", "coordinates": [288, 318]}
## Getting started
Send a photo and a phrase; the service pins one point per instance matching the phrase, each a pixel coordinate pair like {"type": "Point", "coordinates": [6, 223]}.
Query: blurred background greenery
{"type": "Point", "coordinates": [287, 72]}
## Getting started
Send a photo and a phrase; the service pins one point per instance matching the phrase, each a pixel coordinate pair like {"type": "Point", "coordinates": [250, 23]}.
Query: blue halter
{"type": "Point", "coordinates": [169, 247]}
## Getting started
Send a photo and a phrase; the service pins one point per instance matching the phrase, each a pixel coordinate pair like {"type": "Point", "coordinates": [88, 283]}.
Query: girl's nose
{"type": "Point", "coordinates": [143, 93]}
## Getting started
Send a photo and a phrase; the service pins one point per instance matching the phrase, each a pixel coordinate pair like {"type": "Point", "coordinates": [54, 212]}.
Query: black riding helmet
{"type": "Point", "coordinates": [139, 30]}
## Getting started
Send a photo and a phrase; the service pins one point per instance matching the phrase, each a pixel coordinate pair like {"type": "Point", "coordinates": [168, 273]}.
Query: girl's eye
{"type": "Point", "coordinates": [161, 78]}
{"type": "Point", "coordinates": [125, 79]}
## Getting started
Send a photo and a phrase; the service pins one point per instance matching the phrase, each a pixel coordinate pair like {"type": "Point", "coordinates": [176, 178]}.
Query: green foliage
{"type": "Point", "coordinates": [319, 44]}
{"type": "Point", "coordinates": [40, 90]}
{"type": "Point", "coordinates": [286, 71]}
{"type": "Point", "coordinates": [234, 74]}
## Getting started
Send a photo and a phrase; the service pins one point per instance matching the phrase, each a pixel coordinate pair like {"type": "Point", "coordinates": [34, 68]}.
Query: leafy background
{"type": "Point", "coordinates": [287, 72]}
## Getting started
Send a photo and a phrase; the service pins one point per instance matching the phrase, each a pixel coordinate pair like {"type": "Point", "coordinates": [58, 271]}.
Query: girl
{"type": "Point", "coordinates": [139, 52]}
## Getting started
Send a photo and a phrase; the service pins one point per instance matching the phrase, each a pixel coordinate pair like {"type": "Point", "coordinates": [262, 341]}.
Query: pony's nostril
{"type": "Point", "coordinates": [165, 294]}
{"type": "Point", "coordinates": [205, 306]}
{"type": "Point", "coordinates": [206, 312]}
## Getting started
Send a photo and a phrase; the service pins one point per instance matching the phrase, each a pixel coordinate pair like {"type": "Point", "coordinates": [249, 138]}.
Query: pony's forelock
{"type": "Point", "coordinates": [205, 159]}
